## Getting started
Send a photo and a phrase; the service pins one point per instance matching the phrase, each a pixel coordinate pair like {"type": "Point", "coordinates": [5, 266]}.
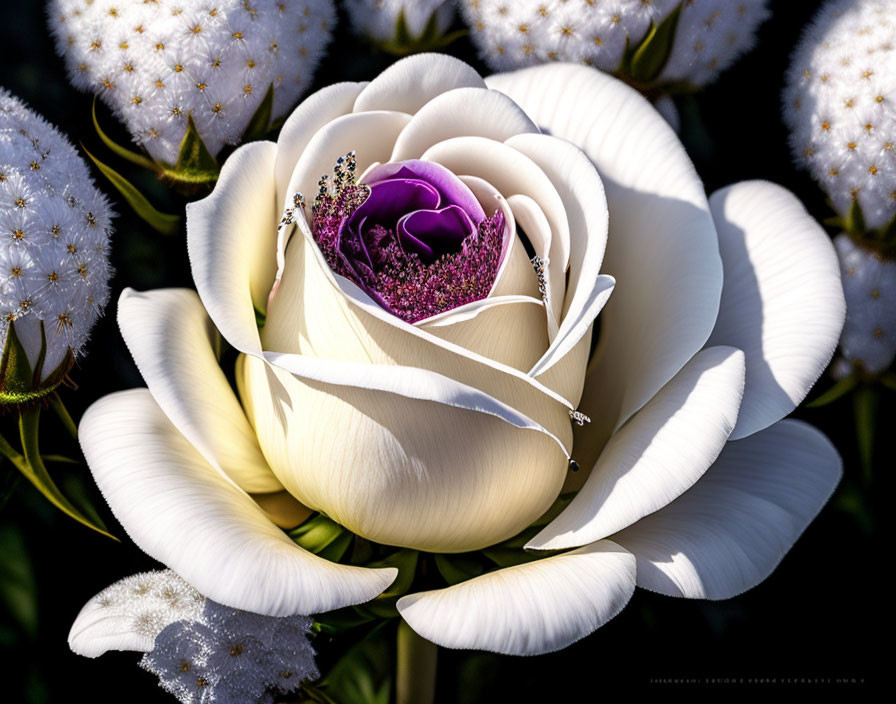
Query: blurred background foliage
{"type": "Point", "coordinates": [813, 619]}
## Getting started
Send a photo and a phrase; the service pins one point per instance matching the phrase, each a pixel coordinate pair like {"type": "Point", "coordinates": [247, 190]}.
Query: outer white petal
{"type": "Point", "coordinates": [231, 240]}
{"type": "Point", "coordinates": [659, 454]}
{"type": "Point", "coordinates": [729, 532]}
{"type": "Point", "coordinates": [173, 343]}
{"type": "Point", "coordinates": [662, 248]}
{"type": "Point", "coordinates": [409, 84]}
{"type": "Point", "coordinates": [180, 511]}
{"type": "Point", "coordinates": [782, 303]}
{"type": "Point", "coordinates": [528, 609]}
{"type": "Point", "coordinates": [461, 112]}
{"type": "Point", "coordinates": [313, 113]}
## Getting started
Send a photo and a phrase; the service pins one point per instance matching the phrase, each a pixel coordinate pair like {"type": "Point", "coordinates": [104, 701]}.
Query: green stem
{"type": "Point", "coordinates": [415, 667]}
{"type": "Point", "coordinates": [62, 412]}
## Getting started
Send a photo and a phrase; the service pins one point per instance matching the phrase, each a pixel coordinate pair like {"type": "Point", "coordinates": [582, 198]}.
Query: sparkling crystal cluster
{"type": "Point", "coordinates": [55, 226]}
{"type": "Point", "coordinates": [378, 19]}
{"type": "Point", "coordinates": [710, 34]}
{"type": "Point", "coordinates": [840, 105]}
{"type": "Point", "coordinates": [154, 62]}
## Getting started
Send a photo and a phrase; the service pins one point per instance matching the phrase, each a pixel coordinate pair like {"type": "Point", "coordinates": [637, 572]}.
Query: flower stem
{"type": "Point", "coordinates": [415, 668]}
{"type": "Point", "coordinates": [63, 414]}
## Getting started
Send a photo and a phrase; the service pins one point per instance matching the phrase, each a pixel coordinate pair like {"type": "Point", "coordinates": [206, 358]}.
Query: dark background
{"type": "Point", "coordinates": [809, 625]}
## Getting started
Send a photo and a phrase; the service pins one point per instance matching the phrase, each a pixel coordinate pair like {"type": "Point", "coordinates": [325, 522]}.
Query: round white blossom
{"type": "Point", "coordinates": [54, 229]}
{"type": "Point", "coordinates": [155, 63]}
{"type": "Point", "coordinates": [869, 284]}
{"type": "Point", "coordinates": [377, 19]}
{"type": "Point", "coordinates": [710, 35]}
{"type": "Point", "coordinates": [840, 105]}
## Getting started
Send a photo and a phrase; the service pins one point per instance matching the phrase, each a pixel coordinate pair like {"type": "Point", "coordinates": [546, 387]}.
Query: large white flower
{"type": "Point", "coordinates": [448, 429]}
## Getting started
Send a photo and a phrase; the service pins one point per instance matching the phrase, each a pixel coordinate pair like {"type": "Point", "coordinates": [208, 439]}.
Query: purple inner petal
{"type": "Point", "coordinates": [438, 231]}
{"type": "Point", "coordinates": [389, 200]}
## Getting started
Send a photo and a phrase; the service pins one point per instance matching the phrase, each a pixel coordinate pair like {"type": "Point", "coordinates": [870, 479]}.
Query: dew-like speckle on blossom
{"type": "Point", "coordinates": [377, 19]}
{"type": "Point", "coordinates": [840, 106]}
{"type": "Point", "coordinates": [869, 285]}
{"type": "Point", "coordinates": [399, 280]}
{"type": "Point", "coordinates": [54, 229]}
{"type": "Point", "coordinates": [710, 35]}
{"type": "Point", "coordinates": [155, 63]}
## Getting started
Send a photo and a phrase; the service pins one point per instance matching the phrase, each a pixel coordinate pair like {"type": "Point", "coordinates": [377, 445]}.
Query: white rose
{"type": "Point", "coordinates": [453, 432]}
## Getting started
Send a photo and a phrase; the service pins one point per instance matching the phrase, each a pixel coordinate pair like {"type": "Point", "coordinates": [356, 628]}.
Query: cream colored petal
{"type": "Point", "coordinates": [409, 84]}
{"type": "Point", "coordinates": [662, 247]}
{"type": "Point", "coordinates": [396, 470]}
{"type": "Point", "coordinates": [582, 193]}
{"type": "Point", "coordinates": [529, 609]}
{"type": "Point", "coordinates": [327, 317]}
{"type": "Point", "coordinates": [659, 454]}
{"type": "Point", "coordinates": [310, 116]}
{"type": "Point", "coordinates": [231, 240]}
{"type": "Point", "coordinates": [782, 303]}
{"type": "Point", "coordinates": [458, 113]}
{"type": "Point", "coordinates": [732, 528]}
{"type": "Point", "coordinates": [180, 511]}
{"type": "Point", "coordinates": [508, 329]}
{"type": "Point", "coordinates": [370, 135]}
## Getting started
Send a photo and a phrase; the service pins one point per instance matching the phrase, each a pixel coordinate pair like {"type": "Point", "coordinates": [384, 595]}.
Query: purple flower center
{"type": "Point", "coordinates": [412, 236]}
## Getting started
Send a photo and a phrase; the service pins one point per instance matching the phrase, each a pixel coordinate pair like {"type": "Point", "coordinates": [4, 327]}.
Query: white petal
{"type": "Point", "coordinates": [659, 454]}
{"type": "Point", "coordinates": [662, 247]}
{"type": "Point", "coordinates": [180, 511]}
{"type": "Point", "coordinates": [409, 84]}
{"type": "Point", "coordinates": [401, 470]}
{"type": "Point", "coordinates": [528, 609]}
{"type": "Point", "coordinates": [370, 134]}
{"type": "Point", "coordinates": [729, 532]}
{"type": "Point", "coordinates": [129, 614]}
{"type": "Point", "coordinates": [231, 240]}
{"type": "Point", "coordinates": [173, 343]}
{"type": "Point", "coordinates": [313, 113]}
{"type": "Point", "coordinates": [582, 193]}
{"type": "Point", "coordinates": [782, 303]}
{"type": "Point", "coordinates": [461, 112]}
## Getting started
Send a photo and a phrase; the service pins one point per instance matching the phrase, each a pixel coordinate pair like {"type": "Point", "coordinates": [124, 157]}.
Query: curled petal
{"type": "Point", "coordinates": [528, 609]}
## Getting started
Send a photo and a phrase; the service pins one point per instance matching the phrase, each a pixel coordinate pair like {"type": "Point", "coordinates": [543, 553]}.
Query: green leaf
{"type": "Point", "coordinates": [195, 164]}
{"type": "Point", "coordinates": [456, 569]}
{"type": "Point", "coordinates": [342, 620]}
{"type": "Point", "coordinates": [32, 466]}
{"type": "Point", "coordinates": [337, 549]}
{"type": "Point", "coordinates": [865, 402]}
{"type": "Point", "coordinates": [161, 222]}
{"type": "Point", "coordinates": [887, 233]}
{"type": "Point", "coordinates": [260, 123]}
{"type": "Point", "coordinates": [133, 157]}
{"type": "Point", "coordinates": [317, 533]}
{"type": "Point", "coordinates": [652, 53]}
{"type": "Point", "coordinates": [406, 562]}
{"type": "Point", "coordinates": [363, 674]}
{"type": "Point", "coordinates": [854, 223]}
{"type": "Point", "coordinates": [17, 383]}
{"type": "Point", "coordinates": [838, 390]}
{"type": "Point", "coordinates": [18, 587]}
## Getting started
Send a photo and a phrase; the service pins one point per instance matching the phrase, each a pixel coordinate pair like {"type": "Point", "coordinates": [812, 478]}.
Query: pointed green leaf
{"type": "Point", "coordinates": [161, 222]}
{"type": "Point", "coordinates": [865, 402]}
{"type": "Point", "coordinates": [16, 375]}
{"type": "Point", "coordinates": [317, 533]}
{"type": "Point", "coordinates": [887, 234]}
{"type": "Point", "coordinates": [260, 123]}
{"type": "Point", "coordinates": [32, 466]}
{"type": "Point", "coordinates": [838, 390]}
{"type": "Point", "coordinates": [133, 157]}
{"type": "Point", "coordinates": [652, 53]}
{"type": "Point", "coordinates": [854, 222]}
{"type": "Point", "coordinates": [195, 164]}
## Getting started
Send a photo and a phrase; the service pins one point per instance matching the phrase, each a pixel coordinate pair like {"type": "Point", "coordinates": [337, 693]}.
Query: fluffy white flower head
{"type": "Point", "coordinates": [54, 229]}
{"type": "Point", "coordinates": [710, 35]}
{"type": "Point", "coordinates": [155, 63]}
{"type": "Point", "coordinates": [840, 105]}
{"type": "Point", "coordinates": [869, 284]}
{"type": "Point", "coordinates": [377, 19]}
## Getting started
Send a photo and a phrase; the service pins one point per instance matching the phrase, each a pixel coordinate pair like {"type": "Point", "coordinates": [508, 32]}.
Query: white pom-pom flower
{"type": "Point", "coordinates": [54, 271]}
{"type": "Point", "coordinates": [709, 36]}
{"type": "Point", "coordinates": [869, 284]}
{"type": "Point", "coordinates": [154, 64]}
{"type": "Point", "coordinates": [200, 650]}
{"type": "Point", "coordinates": [839, 105]}
{"type": "Point", "coordinates": [380, 20]}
